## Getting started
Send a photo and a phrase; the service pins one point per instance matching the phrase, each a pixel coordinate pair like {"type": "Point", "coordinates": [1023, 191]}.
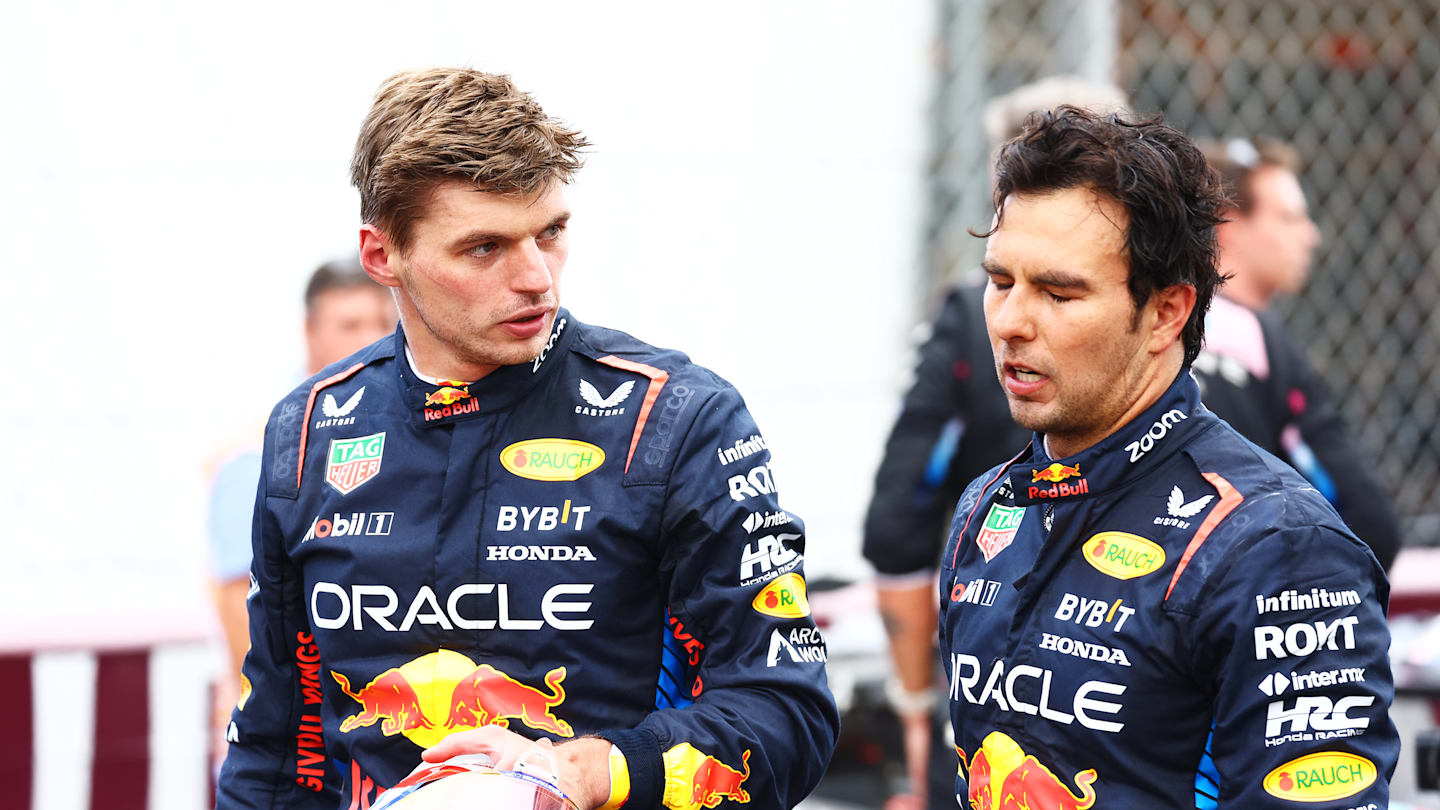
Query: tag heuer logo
{"type": "Point", "coordinates": [352, 462]}
{"type": "Point", "coordinates": [1001, 523]}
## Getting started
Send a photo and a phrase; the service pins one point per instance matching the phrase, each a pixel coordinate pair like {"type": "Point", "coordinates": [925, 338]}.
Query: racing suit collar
{"type": "Point", "coordinates": [435, 404]}
{"type": "Point", "coordinates": [1126, 455]}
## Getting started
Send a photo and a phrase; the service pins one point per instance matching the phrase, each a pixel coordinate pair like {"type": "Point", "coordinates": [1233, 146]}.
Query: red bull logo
{"type": "Point", "coordinates": [694, 779]}
{"type": "Point", "coordinates": [449, 393]}
{"type": "Point", "coordinates": [1055, 473]}
{"type": "Point", "coordinates": [1004, 777]}
{"type": "Point", "coordinates": [411, 699]}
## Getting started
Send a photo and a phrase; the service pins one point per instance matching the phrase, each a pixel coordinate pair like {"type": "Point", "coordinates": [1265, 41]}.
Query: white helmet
{"type": "Point", "coordinates": [472, 781]}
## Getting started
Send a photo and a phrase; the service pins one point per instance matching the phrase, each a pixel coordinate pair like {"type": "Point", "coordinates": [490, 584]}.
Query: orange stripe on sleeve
{"type": "Point", "coordinates": [310, 406]}
{"type": "Point", "coordinates": [658, 379]}
{"type": "Point", "coordinates": [1229, 499]}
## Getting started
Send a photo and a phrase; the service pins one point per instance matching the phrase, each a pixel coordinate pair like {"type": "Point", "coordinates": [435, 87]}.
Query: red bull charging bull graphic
{"type": "Point", "coordinates": [434, 695]}
{"type": "Point", "coordinates": [694, 779]}
{"type": "Point", "coordinates": [1055, 473]}
{"type": "Point", "coordinates": [1003, 777]}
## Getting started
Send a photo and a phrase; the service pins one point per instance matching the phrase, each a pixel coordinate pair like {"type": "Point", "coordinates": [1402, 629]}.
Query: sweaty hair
{"type": "Point", "coordinates": [1238, 159]}
{"type": "Point", "coordinates": [341, 274]}
{"type": "Point", "coordinates": [1172, 198]}
{"type": "Point", "coordinates": [453, 123]}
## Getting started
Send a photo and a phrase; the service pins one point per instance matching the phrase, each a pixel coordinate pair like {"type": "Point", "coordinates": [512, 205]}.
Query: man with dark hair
{"type": "Point", "coordinates": [528, 527]}
{"type": "Point", "coordinates": [953, 425]}
{"type": "Point", "coordinates": [1252, 373]}
{"type": "Point", "coordinates": [1142, 609]}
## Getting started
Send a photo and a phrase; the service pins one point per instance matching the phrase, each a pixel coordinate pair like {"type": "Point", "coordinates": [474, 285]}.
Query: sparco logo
{"type": "Point", "coordinates": [549, 344]}
{"type": "Point", "coordinates": [355, 523]}
{"type": "Point", "coordinates": [476, 606]}
{"type": "Point", "coordinates": [665, 423]}
{"type": "Point", "coordinates": [1157, 431]}
{"type": "Point", "coordinates": [999, 689]}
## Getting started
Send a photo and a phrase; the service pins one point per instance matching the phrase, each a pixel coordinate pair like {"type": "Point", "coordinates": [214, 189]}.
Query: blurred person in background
{"type": "Point", "coordinates": [550, 529]}
{"type": "Point", "coordinates": [1252, 373]}
{"type": "Point", "coordinates": [344, 311]}
{"type": "Point", "coordinates": [954, 424]}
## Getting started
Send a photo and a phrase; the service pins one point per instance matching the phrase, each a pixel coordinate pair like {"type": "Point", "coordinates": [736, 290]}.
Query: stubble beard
{"type": "Point", "coordinates": [1090, 407]}
{"type": "Point", "coordinates": [471, 346]}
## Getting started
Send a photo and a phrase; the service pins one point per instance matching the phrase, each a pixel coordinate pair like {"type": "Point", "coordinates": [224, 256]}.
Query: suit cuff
{"type": "Point", "coordinates": [642, 758]}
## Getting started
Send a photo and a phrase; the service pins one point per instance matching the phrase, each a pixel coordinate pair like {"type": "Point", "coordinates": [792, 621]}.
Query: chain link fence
{"type": "Point", "coordinates": [1354, 85]}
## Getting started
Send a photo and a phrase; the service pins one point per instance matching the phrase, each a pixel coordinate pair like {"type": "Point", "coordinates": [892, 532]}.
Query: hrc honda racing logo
{"type": "Point", "coordinates": [474, 606]}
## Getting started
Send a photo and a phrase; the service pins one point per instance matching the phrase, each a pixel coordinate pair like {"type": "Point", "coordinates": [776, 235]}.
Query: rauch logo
{"type": "Point", "coordinates": [1321, 777]}
{"type": "Point", "coordinates": [1123, 555]}
{"type": "Point", "coordinates": [552, 459]}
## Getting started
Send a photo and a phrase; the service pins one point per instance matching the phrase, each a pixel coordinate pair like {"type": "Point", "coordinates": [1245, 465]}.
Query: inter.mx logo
{"type": "Point", "coordinates": [352, 462]}
{"type": "Point", "coordinates": [355, 523]}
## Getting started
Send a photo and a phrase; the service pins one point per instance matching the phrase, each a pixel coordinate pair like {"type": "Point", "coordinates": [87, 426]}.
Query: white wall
{"type": "Point", "coordinates": [172, 172]}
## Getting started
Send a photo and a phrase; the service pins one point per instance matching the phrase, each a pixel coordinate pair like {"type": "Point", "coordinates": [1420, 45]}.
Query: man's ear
{"type": "Point", "coordinates": [1173, 306]}
{"type": "Point", "coordinates": [378, 256]}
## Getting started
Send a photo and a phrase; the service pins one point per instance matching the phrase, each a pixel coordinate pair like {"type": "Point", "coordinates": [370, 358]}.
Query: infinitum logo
{"type": "Point", "coordinates": [742, 448]}
{"type": "Point", "coordinates": [1294, 600]}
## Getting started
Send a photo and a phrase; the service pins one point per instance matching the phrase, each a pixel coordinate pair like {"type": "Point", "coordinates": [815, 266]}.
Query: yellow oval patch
{"type": "Point", "coordinates": [1320, 777]}
{"type": "Point", "coordinates": [1123, 555]}
{"type": "Point", "coordinates": [552, 459]}
{"type": "Point", "coordinates": [785, 598]}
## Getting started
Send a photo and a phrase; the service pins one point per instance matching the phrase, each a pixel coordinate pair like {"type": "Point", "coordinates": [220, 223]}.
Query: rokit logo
{"type": "Point", "coordinates": [1303, 638]}
{"type": "Point", "coordinates": [353, 524]}
{"type": "Point", "coordinates": [999, 689]}
{"type": "Point", "coordinates": [541, 518]}
{"type": "Point", "coordinates": [602, 405]}
{"type": "Point", "coordinates": [803, 646]}
{"type": "Point", "coordinates": [475, 606]}
{"type": "Point", "coordinates": [339, 415]}
{"type": "Point", "coordinates": [766, 520]}
{"type": "Point", "coordinates": [767, 558]}
{"type": "Point", "coordinates": [1314, 718]}
{"type": "Point", "coordinates": [1157, 431]}
{"type": "Point", "coordinates": [753, 484]}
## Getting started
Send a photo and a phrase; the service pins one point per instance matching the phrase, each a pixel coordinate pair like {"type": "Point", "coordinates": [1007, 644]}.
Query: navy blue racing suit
{"type": "Point", "coordinates": [587, 544]}
{"type": "Point", "coordinates": [1170, 618]}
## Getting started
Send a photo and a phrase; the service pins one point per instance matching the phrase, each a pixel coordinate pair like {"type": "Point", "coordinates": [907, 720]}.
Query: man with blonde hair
{"type": "Point", "coordinates": [506, 523]}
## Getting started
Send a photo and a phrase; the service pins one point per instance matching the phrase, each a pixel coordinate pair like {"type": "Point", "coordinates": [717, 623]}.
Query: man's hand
{"type": "Point", "coordinates": [582, 766]}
